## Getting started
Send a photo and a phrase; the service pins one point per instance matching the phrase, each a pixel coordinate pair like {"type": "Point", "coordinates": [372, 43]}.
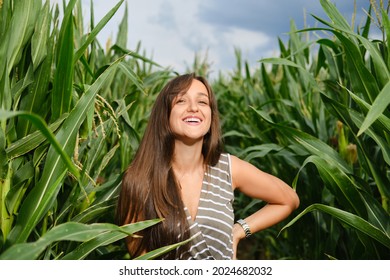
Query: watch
{"type": "Point", "coordinates": [245, 227]}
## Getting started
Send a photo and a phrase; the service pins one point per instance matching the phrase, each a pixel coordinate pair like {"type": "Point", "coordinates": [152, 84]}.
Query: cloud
{"type": "Point", "coordinates": [166, 15]}
{"type": "Point", "coordinates": [173, 31]}
{"type": "Point", "coordinates": [166, 30]}
{"type": "Point", "coordinates": [269, 17]}
{"type": "Point", "coordinates": [247, 39]}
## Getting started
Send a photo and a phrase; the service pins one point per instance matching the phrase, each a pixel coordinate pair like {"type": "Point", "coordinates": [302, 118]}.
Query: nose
{"type": "Point", "coordinates": [192, 106]}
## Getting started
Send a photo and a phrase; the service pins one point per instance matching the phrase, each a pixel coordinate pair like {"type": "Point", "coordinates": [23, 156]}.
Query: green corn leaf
{"type": "Point", "coordinates": [63, 77]}
{"type": "Point", "coordinates": [18, 89]}
{"type": "Point", "coordinates": [281, 61]}
{"type": "Point", "coordinates": [361, 78]}
{"type": "Point", "coordinates": [122, 35]}
{"type": "Point", "coordinates": [42, 126]}
{"type": "Point", "coordinates": [306, 75]}
{"type": "Point", "coordinates": [107, 158]}
{"type": "Point", "coordinates": [3, 155]}
{"type": "Point", "coordinates": [378, 107]}
{"type": "Point", "coordinates": [40, 199]}
{"type": "Point", "coordinates": [95, 31]}
{"type": "Point", "coordinates": [163, 250]}
{"type": "Point", "coordinates": [381, 69]}
{"type": "Point", "coordinates": [95, 211]}
{"type": "Point", "coordinates": [386, 25]}
{"type": "Point", "coordinates": [111, 189]}
{"type": "Point", "coordinates": [259, 151]}
{"type": "Point", "coordinates": [317, 147]}
{"type": "Point", "coordinates": [353, 118]}
{"type": "Point", "coordinates": [39, 47]}
{"type": "Point", "coordinates": [6, 218]}
{"type": "Point", "coordinates": [380, 141]}
{"type": "Point", "coordinates": [268, 82]}
{"type": "Point", "coordinates": [16, 193]}
{"type": "Point", "coordinates": [97, 147]}
{"type": "Point", "coordinates": [342, 186]}
{"type": "Point", "coordinates": [105, 200]}
{"type": "Point", "coordinates": [340, 24]}
{"type": "Point", "coordinates": [124, 51]}
{"type": "Point", "coordinates": [32, 141]}
{"type": "Point", "coordinates": [351, 46]}
{"type": "Point", "coordinates": [5, 92]}
{"type": "Point", "coordinates": [35, 100]}
{"type": "Point", "coordinates": [347, 218]}
{"type": "Point", "coordinates": [23, 84]}
{"type": "Point", "coordinates": [310, 143]}
{"type": "Point", "coordinates": [337, 18]}
{"type": "Point", "coordinates": [384, 121]}
{"type": "Point", "coordinates": [71, 231]}
{"type": "Point", "coordinates": [18, 33]}
{"type": "Point", "coordinates": [329, 49]}
{"type": "Point", "coordinates": [376, 213]}
{"type": "Point", "coordinates": [82, 251]}
{"type": "Point", "coordinates": [132, 76]}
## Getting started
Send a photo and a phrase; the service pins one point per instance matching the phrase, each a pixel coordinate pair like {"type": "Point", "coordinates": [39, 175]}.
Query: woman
{"type": "Point", "coordinates": [180, 174]}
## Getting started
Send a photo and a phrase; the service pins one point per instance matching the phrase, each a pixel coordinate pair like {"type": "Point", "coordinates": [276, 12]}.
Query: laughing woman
{"type": "Point", "coordinates": [181, 174]}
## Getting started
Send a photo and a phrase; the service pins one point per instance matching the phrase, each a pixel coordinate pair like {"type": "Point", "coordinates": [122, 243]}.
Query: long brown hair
{"type": "Point", "coordinates": [149, 187]}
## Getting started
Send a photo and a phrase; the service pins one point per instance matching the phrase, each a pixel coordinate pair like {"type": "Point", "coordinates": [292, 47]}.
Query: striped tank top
{"type": "Point", "coordinates": [212, 228]}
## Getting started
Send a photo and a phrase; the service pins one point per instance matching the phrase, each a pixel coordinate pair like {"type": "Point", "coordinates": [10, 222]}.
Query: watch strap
{"type": "Point", "coordinates": [245, 227]}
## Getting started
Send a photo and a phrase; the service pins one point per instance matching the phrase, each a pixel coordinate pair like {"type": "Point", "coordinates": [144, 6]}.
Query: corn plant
{"type": "Point", "coordinates": [323, 118]}
{"type": "Point", "coordinates": [68, 129]}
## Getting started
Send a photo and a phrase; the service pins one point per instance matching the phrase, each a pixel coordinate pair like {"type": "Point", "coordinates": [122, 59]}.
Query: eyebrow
{"type": "Point", "coordinates": [203, 94]}
{"type": "Point", "coordinates": [200, 93]}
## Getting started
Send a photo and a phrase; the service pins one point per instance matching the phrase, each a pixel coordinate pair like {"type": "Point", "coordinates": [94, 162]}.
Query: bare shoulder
{"type": "Point", "coordinates": [243, 172]}
{"type": "Point", "coordinates": [238, 163]}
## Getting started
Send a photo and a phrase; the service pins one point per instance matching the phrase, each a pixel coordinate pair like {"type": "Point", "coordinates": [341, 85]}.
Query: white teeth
{"type": "Point", "coordinates": [192, 120]}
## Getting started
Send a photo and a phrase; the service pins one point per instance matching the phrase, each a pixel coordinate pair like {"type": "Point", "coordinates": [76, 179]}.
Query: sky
{"type": "Point", "coordinates": [171, 32]}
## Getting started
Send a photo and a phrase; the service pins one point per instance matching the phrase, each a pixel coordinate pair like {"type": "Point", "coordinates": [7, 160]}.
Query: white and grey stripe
{"type": "Point", "coordinates": [215, 217]}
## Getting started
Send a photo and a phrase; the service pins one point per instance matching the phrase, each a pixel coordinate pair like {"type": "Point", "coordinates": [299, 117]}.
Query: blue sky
{"type": "Point", "coordinates": [172, 31]}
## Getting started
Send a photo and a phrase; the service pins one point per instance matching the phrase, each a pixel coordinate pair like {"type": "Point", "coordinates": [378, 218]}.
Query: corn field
{"type": "Point", "coordinates": [72, 113]}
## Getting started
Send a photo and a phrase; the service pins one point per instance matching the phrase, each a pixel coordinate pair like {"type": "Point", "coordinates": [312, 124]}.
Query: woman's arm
{"type": "Point", "coordinates": [281, 198]}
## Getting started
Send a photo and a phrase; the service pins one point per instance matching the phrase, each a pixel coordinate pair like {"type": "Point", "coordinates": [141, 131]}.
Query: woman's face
{"type": "Point", "coordinates": [190, 117]}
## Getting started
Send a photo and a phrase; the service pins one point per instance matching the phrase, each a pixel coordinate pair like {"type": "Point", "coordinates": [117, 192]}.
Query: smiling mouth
{"type": "Point", "coordinates": [192, 120]}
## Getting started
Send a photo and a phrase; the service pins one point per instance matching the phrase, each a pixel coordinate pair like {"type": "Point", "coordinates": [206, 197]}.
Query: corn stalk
{"type": "Point", "coordinates": [66, 106]}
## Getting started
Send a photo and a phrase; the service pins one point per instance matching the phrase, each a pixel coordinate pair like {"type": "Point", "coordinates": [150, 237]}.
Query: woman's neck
{"type": "Point", "coordinates": [187, 158]}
